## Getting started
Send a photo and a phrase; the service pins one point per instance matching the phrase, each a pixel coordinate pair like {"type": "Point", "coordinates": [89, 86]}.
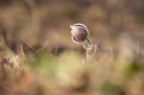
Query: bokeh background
{"type": "Point", "coordinates": [38, 57]}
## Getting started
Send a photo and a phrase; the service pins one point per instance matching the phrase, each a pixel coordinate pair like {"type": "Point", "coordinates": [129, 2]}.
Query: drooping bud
{"type": "Point", "coordinates": [79, 32]}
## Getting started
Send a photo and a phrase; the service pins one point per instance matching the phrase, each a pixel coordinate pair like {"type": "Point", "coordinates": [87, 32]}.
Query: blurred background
{"type": "Point", "coordinates": [38, 57]}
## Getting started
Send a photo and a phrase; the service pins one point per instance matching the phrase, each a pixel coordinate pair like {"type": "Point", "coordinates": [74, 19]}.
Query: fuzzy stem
{"type": "Point", "coordinates": [89, 43]}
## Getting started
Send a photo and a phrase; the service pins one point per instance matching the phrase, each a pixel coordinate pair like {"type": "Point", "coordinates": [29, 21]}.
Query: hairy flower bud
{"type": "Point", "coordinates": [79, 32]}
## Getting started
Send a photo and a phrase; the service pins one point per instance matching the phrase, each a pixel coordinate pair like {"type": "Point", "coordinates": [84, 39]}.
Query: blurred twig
{"type": "Point", "coordinates": [35, 14]}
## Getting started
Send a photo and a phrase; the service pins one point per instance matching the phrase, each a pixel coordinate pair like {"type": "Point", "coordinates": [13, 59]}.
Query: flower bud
{"type": "Point", "coordinates": [79, 32]}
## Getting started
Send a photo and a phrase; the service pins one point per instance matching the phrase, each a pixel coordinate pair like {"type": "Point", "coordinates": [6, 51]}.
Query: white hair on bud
{"type": "Point", "coordinates": [79, 32]}
{"type": "Point", "coordinates": [75, 41]}
{"type": "Point", "coordinates": [82, 25]}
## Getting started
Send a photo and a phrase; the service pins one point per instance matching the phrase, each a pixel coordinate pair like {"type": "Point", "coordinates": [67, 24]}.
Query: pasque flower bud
{"type": "Point", "coordinates": [79, 32]}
